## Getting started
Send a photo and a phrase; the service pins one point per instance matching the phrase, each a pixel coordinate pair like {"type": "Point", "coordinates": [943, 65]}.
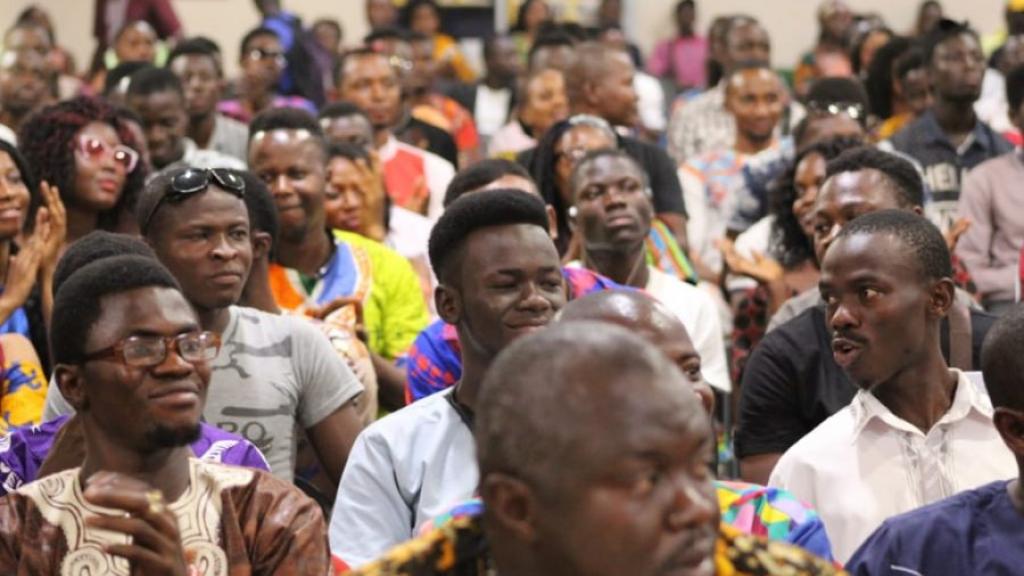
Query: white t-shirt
{"type": "Point", "coordinates": [698, 313]}
{"type": "Point", "coordinates": [491, 109]}
{"type": "Point", "coordinates": [408, 232]}
{"type": "Point", "coordinates": [864, 464]}
{"type": "Point", "coordinates": [404, 470]}
{"type": "Point", "coordinates": [273, 374]}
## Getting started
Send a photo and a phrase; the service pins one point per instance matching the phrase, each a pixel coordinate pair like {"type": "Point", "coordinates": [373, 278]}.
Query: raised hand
{"type": "Point", "coordinates": [955, 231]}
{"type": "Point", "coordinates": [372, 183]}
{"type": "Point", "coordinates": [759, 267]}
{"type": "Point", "coordinates": [155, 548]}
{"type": "Point", "coordinates": [51, 225]}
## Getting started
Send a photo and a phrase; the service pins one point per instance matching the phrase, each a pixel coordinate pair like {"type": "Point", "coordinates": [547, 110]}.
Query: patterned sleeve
{"type": "Point", "coordinates": [24, 394]}
{"type": "Point", "coordinates": [433, 363]}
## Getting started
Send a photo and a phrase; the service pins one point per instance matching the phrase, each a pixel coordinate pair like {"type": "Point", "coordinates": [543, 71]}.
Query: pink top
{"type": "Point", "coordinates": [683, 57]}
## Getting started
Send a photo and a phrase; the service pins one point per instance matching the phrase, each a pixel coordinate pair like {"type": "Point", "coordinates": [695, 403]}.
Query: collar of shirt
{"type": "Point", "coordinates": [932, 133]}
{"type": "Point", "coordinates": [968, 399]}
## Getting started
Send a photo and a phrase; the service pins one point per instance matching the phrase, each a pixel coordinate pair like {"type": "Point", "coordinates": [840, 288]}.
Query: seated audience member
{"type": "Point", "coordinates": [916, 431]}
{"type": "Point", "coordinates": [134, 361]}
{"type": "Point", "coordinates": [158, 97]}
{"type": "Point", "coordinates": [948, 140]}
{"type": "Point", "coordinates": [499, 279]}
{"type": "Point", "coordinates": [83, 149]}
{"type": "Point", "coordinates": [541, 104]}
{"type": "Point", "coordinates": [977, 531]}
{"type": "Point", "coordinates": [554, 49]}
{"type": "Point", "coordinates": [600, 83]}
{"type": "Point", "coordinates": [434, 362]}
{"type": "Point", "coordinates": [345, 280]}
{"type": "Point", "coordinates": [197, 63]}
{"type": "Point", "coordinates": [990, 248]}
{"type": "Point", "coordinates": [755, 97]}
{"type": "Point", "coordinates": [791, 383]}
{"type": "Point", "coordinates": [32, 234]}
{"type": "Point", "coordinates": [25, 86]}
{"type": "Point", "coordinates": [751, 509]}
{"type": "Point", "coordinates": [197, 223]}
{"type": "Point", "coordinates": [641, 501]}
{"type": "Point", "coordinates": [492, 99]}
{"type": "Point", "coordinates": [433, 107]}
{"type": "Point", "coordinates": [897, 84]}
{"type": "Point", "coordinates": [345, 123]}
{"type": "Point", "coordinates": [31, 35]}
{"type": "Point", "coordinates": [415, 179]}
{"type": "Point", "coordinates": [613, 218]}
{"type": "Point", "coordinates": [424, 17]}
{"type": "Point", "coordinates": [261, 59]}
{"type": "Point", "coordinates": [135, 42]}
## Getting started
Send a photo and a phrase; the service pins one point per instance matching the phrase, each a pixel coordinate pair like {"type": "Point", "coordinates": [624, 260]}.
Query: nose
{"type": "Point", "coordinates": [841, 317]}
{"type": "Point", "coordinates": [173, 364]}
{"type": "Point", "coordinates": [281, 185]}
{"type": "Point", "coordinates": [533, 300]}
{"type": "Point", "coordinates": [224, 249]}
{"type": "Point", "coordinates": [692, 504]}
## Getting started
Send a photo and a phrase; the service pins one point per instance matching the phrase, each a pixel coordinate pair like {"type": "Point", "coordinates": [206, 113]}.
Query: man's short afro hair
{"type": "Point", "coordinates": [929, 248]}
{"type": "Point", "coordinates": [486, 209]}
{"type": "Point", "coordinates": [97, 245]}
{"type": "Point", "coordinates": [78, 304]}
{"type": "Point", "coordinates": [905, 178]}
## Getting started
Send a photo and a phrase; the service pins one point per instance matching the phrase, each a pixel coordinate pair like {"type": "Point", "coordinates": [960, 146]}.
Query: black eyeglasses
{"type": "Point", "coordinates": [149, 351]}
{"type": "Point", "coordinates": [192, 181]}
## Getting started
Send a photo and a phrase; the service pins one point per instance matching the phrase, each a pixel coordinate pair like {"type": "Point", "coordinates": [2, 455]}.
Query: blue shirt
{"type": "Point", "coordinates": [975, 532]}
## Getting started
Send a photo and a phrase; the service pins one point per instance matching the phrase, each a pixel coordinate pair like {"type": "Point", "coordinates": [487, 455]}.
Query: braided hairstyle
{"type": "Point", "coordinates": [47, 140]}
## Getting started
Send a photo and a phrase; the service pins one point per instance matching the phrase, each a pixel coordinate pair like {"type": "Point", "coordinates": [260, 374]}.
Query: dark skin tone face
{"type": "Point", "coordinates": [544, 103]}
{"type": "Point", "coordinates": [164, 122]}
{"type": "Point", "coordinates": [957, 68]}
{"type": "Point", "coordinates": [881, 309]}
{"type": "Point", "coordinates": [642, 502]}
{"type": "Point", "coordinates": [686, 16]}
{"type": "Point", "coordinates": [846, 196]}
{"type": "Point", "coordinates": [354, 129]}
{"type": "Point", "coordinates": [573, 146]}
{"type": "Point", "coordinates": [137, 44]}
{"type": "Point", "coordinates": [204, 241]}
{"type": "Point", "coordinates": [262, 63]}
{"type": "Point", "coordinates": [558, 58]}
{"type": "Point", "coordinates": [31, 38]}
{"type": "Point", "coordinates": [127, 404]}
{"type": "Point", "coordinates": [755, 98]}
{"type": "Point", "coordinates": [614, 211]}
{"type": "Point", "coordinates": [509, 284]}
{"type": "Point", "coordinates": [747, 42]}
{"type": "Point", "coordinates": [24, 82]}
{"type": "Point", "coordinates": [371, 83]}
{"type": "Point", "coordinates": [345, 199]}
{"type": "Point", "coordinates": [915, 91]}
{"type": "Point", "coordinates": [612, 95]}
{"type": "Point", "coordinates": [14, 198]}
{"type": "Point", "coordinates": [202, 82]}
{"type": "Point", "coordinates": [381, 13]}
{"type": "Point", "coordinates": [821, 127]}
{"type": "Point", "coordinates": [99, 180]}
{"type": "Point", "coordinates": [809, 177]}
{"type": "Point", "coordinates": [292, 166]}
{"type": "Point", "coordinates": [502, 60]}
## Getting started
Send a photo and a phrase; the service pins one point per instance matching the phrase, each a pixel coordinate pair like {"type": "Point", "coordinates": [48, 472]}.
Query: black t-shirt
{"type": "Point", "coordinates": [661, 171]}
{"type": "Point", "coordinates": [422, 135]}
{"type": "Point", "coordinates": [791, 383]}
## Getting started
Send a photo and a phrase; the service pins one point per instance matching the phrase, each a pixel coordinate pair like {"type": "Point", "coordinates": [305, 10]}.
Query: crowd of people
{"type": "Point", "coordinates": [370, 306]}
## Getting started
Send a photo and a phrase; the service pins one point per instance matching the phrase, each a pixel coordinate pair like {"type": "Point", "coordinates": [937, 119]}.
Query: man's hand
{"type": "Point", "coordinates": [156, 548]}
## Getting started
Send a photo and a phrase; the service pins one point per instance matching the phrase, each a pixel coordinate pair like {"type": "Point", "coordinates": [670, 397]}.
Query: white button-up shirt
{"type": "Point", "coordinates": [864, 464]}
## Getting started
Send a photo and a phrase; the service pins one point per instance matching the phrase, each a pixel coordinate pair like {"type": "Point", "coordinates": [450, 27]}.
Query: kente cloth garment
{"type": "Point", "coordinates": [434, 361]}
{"type": "Point", "coordinates": [664, 253]}
{"type": "Point", "coordinates": [749, 508]}
{"type": "Point", "coordinates": [460, 548]}
{"type": "Point", "coordinates": [23, 451]}
{"type": "Point", "coordinates": [381, 280]}
{"type": "Point", "coordinates": [24, 393]}
{"type": "Point", "coordinates": [232, 520]}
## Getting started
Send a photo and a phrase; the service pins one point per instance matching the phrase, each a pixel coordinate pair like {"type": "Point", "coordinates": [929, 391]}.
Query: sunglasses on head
{"type": "Point", "coordinates": [193, 181]}
{"type": "Point", "coordinates": [94, 148]}
{"type": "Point", "coordinates": [854, 111]}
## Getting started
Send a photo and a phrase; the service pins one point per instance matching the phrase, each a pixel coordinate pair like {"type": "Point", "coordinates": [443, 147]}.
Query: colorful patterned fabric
{"type": "Point", "coordinates": [434, 361]}
{"type": "Point", "coordinates": [234, 108]}
{"type": "Point", "coordinates": [772, 513]}
{"type": "Point", "coordinates": [393, 310]}
{"type": "Point", "coordinates": [664, 253]}
{"type": "Point", "coordinates": [24, 394]}
{"type": "Point", "coordinates": [459, 548]}
{"type": "Point", "coordinates": [453, 118]}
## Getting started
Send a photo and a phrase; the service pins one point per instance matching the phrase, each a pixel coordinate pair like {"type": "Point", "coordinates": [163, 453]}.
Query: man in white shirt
{"type": "Point", "coordinates": [917, 431]}
{"type": "Point", "coordinates": [415, 179]}
{"type": "Point", "coordinates": [500, 278]}
{"type": "Point", "coordinates": [612, 216]}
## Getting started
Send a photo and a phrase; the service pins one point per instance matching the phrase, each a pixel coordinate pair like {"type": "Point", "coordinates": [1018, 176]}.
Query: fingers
{"type": "Point", "coordinates": [156, 532]}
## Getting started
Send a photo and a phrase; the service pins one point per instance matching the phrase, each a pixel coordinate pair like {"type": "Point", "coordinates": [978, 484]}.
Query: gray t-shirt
{"type": "Point", "coordinates": [273, 374]}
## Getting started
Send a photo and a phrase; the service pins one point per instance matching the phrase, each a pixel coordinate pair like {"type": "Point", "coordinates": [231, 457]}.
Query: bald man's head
{"type": "Point", "coordinates": [651, 320]}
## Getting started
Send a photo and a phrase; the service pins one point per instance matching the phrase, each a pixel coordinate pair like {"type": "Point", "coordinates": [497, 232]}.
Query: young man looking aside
{"type": "Point", "coordinates": [917, 431]}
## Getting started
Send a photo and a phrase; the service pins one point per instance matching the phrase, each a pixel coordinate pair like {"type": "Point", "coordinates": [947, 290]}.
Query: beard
{"type": "Point", "coordinates": [161, 436]}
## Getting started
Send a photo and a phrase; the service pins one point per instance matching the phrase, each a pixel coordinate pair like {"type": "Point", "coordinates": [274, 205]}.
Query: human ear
{"type": "Point", "coordinates": [552, 222]}
{"type": "Point", "coordinates": [512, 505]}
{"type": "Point", "coordinates": [71, 385]}
{"type": "Point", "coordinates": [261, 244]}
{"type": "Point", "coordinates": [448, 303]}
{"type": "Point", "coordinates": [1010, 424]}
{"type": "Point", "coordinates": [943, 295]}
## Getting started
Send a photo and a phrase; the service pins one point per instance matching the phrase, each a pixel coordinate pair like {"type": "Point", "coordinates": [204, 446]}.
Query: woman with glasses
{"type": "Point", "coordinates": [83, 149]}
{"type": "Point", "coordinates": [261, 59]}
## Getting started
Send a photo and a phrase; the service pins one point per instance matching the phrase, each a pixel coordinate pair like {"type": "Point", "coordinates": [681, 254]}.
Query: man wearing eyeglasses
{"type": "Point", "coordinates": [133, 359]}
{"type": "Point", "coordinates": [275, 373]}
{"type": "Point", "coordinates": [261, 59]}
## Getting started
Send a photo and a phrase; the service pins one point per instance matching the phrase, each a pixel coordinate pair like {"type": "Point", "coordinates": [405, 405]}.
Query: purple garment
{"type": "Point", "coordinates": [22, 451]}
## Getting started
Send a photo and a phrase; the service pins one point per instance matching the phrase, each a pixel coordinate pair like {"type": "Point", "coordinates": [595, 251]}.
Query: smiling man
{"type": "Point", "coordinates": [499, 278]}
{"type": "Point", "coordinates": [133, 359]}
{"type": "Point", "coordinates": [917, 431]}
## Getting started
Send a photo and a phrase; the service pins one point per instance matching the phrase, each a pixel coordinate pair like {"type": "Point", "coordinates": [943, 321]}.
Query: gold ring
{"type": "Point", "coordinates": [156, 502]}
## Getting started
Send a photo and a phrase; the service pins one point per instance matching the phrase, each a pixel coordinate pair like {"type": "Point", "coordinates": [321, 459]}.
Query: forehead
{"type": "Point", "coordinates": [586, 134]}
{"type": "Point", "coordinates": [544, 81]}
{"type": "Point", "coordinates": [26, 37]}
{"type": "Point", "coordinates": [157, 103]}
{"type": "Point", "coordinates": [151, 309]}
{"type": "Point", "coordinates": [341, 166]}
{"type": "Point", "coordinates": [266, 41]}
{"type": "Point", "coordinates": [754, 79]}
{"type": "Point", "coordinates": [862, 186]}
{"type": "Point", "coordinates": [870, 253]}
{"type": "Point", "coordinates": [962, 41]}
{"type": "Point", "coordinates": [275, 148]}
{"type": "Point", "coordinates": [609, 168]}
{"type": "Point", "coordinates": [813, 162]}
{"type": "Point", "coordinates": [367, 66]}
{"type": "Point", "coordinates": [747, 32]}
{"type": "Point", "coordinates": [100, 130]}
{"type": "Point", "coordinates": [214, 206]}
{"type": "Point", "coordinates": [138, 31]}
{"type": "Point", "coordinates": [23, 60]}
{"type": "Point", "coordinates": [192, 62]}
{"type": "Point", "coordinates": [509, 247]}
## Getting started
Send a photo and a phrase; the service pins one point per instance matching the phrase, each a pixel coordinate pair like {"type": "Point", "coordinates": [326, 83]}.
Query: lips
{"type": "Point", "coordinates": [108, 185]}
{"type": "Point", "coordinates": [620, 221]}
{"type": "Point", "coordinates": [180, 396]}
{"type": "Point", "coordinates": [694, 558]}
{"type": "Point", "coordinates": [10, 213]}
{"type": "Point", "coordinates": [846, 351]}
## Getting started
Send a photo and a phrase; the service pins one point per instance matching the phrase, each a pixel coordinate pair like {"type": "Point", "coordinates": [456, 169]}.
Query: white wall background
{"type": "Point", "coordinates": [791, 22]}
